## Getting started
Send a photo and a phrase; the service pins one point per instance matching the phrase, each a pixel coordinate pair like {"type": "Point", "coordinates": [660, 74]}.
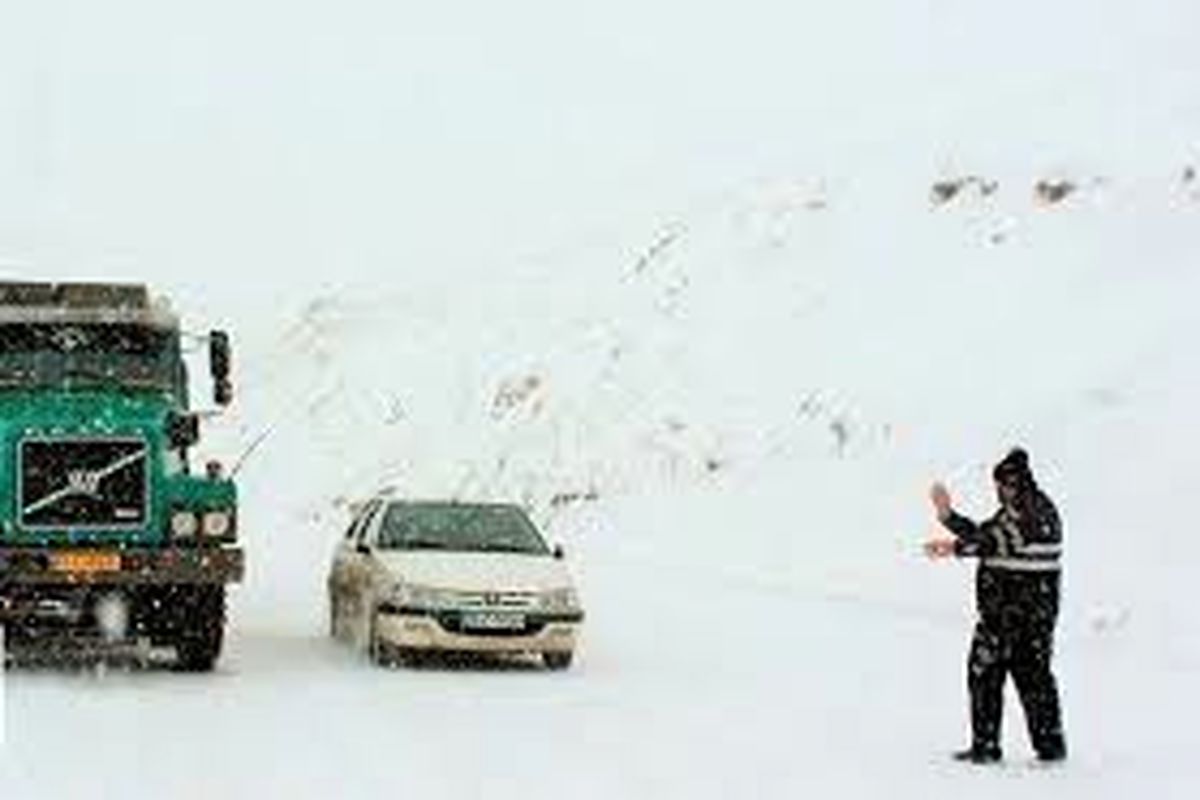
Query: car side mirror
{"type": "Point", "coordinates": [558, 552]}
{"type": "Point", "coordinates": [220, 364]}
{"type": "Point", "coordinates": [362, 548]}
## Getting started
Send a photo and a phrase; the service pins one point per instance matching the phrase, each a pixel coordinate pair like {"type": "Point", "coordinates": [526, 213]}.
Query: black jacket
{"type": "Point", "coordinates": [1019, 550]}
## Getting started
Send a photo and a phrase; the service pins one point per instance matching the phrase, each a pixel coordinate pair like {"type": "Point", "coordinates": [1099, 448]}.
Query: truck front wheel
{"type": "Point", "coordinates": [200, 627]}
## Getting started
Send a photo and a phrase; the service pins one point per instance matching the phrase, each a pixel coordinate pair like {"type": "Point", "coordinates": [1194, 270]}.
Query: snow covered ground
{"type": "Point", "coordinates": [692, 266]}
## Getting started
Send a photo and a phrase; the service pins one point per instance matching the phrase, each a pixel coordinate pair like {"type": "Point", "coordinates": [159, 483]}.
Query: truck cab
{"type": "Point", "coordinates": [108, 534]}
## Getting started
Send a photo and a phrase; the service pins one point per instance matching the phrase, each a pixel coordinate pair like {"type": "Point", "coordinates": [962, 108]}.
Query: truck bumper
{"type": "Point", "coordinates": [120, 567]}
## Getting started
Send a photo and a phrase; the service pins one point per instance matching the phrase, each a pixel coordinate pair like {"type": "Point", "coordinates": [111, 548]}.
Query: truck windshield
{"type": "Point", "coordinates": [457, 527]}
{"type": "Point", "coordinates": [39, 354]}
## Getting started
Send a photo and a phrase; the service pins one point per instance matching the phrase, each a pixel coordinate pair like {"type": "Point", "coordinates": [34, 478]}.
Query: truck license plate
{"type": "Point", "coordinates": [86, 561]}
{"type": "Point", "coordinates": [493, 621]}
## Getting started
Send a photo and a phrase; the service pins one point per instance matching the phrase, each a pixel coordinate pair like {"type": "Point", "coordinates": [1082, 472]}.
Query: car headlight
{"type": "Point", "coordinates": [423, 596]}
{"type": "Point", "coordinates": [216, 523]}
{"type": "Point", "coordinates": [560, 600]}
{"type": "Point", "coordinates": [184, 524]}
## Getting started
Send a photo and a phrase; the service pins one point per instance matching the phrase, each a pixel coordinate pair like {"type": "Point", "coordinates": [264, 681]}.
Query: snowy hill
{"type": "Point", "coordinates": [732, 429]}
{"type": "Point", "coordinates": [760, 341]}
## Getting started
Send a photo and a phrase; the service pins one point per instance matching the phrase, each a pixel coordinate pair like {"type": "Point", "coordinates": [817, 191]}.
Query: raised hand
{"type": "Point", "coordinates": [940, 497]}
{"type": "Point", "coordinates": [939, 548]}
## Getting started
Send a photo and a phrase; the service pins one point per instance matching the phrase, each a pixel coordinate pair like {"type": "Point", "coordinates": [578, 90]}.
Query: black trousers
{"type": "Point", "coordinates": [1017, 645]}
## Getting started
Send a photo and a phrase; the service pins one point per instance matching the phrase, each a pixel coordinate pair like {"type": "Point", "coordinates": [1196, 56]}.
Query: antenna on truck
{"type": "Point", "coordinates": [245, 454]}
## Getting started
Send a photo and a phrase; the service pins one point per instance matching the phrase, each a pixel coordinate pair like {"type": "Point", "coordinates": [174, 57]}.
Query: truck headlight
{"type": "Point", "coordinates": [217, 523]}
{"type": "Point", "coordinates": [560, 600]}
{"type": "Point", "coordinates": [184, 524]}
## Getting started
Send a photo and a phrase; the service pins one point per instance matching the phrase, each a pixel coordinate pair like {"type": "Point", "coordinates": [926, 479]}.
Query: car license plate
{"type": "Point", "coordinates": [86, 561]}
{"type": "Point", "coordinates": [493, 621]}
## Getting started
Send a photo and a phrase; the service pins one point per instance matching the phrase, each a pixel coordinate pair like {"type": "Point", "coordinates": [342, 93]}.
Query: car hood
{"type": "Point", "coordinates": [477, 572]}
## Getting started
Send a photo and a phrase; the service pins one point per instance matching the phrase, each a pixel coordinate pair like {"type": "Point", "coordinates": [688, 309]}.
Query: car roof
{"type": "Point", "coordinates": [447, 502]}
{"type": "Point", "coordinates": [388, 498]}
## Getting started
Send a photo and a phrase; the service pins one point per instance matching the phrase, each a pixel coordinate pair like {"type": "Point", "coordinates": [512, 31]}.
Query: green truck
{"type": "Point", "coordinates": [109, 536]}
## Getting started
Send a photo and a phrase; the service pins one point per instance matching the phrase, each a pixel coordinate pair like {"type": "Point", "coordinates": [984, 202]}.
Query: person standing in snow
{"type": "Point", "coordinates": [1019, 549]}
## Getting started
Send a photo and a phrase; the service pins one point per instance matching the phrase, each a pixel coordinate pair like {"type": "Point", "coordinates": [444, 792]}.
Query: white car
{"type": "Point", "coordinates": [419, 576]}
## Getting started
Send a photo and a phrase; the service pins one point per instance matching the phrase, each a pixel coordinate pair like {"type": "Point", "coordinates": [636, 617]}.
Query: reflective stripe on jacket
{"type": "Point", "coordinates": [1027, 539]}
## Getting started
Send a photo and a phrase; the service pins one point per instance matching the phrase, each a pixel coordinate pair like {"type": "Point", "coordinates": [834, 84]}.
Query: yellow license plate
{"type": "Point", "coordinates": [86, 561]}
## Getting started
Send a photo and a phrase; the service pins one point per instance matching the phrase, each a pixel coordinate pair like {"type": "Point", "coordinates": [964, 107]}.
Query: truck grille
{"type": "Point", "coordinates": [83, 483]}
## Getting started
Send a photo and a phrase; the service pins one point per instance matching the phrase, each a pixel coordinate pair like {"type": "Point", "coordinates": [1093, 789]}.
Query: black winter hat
{"type": "Point", "coordinates": [1014, 469]}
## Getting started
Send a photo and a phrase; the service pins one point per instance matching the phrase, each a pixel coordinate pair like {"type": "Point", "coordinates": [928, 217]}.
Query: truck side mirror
{"type": "Point", "coordinates": [183, 430]}
{"type": "Point", "coordinates": [220, 360]}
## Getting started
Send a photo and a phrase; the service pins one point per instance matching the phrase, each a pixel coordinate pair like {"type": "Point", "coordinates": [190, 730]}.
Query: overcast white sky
{"type": "Point", "coordinates": [275, 146]}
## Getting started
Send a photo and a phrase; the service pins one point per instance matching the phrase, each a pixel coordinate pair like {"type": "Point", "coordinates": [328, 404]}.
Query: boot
{"type": "Point", "coordinates": [977, 754]}
{"type": "Point", "coordinates": [1049, 755]}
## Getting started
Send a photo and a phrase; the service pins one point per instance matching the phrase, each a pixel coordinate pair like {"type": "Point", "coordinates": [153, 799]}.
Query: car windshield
{"type": "Point", "coordinates": [460, 528]}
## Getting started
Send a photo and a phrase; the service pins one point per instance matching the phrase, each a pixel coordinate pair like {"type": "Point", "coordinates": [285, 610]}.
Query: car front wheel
{"type": "Point", "coordinates": [558, 660]}
{"type": "Point", "coordinates": [378, 650]}
{"type": "Point", "coordinates": [334, 614]}
{"type": "Point", "coordinates": [200, 627]}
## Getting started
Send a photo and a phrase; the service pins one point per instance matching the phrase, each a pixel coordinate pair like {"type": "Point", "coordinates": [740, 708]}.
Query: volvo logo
{"type": "Point", "coordinates": [84, 481]}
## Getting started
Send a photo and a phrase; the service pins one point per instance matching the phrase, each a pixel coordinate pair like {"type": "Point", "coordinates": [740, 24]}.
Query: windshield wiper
{"type": "Point", "coordinates": [110, 378]}
{"type": "Point", "coordinates": [423, 544]}
{"type": "Point", "coordinates": [90, 374]}
{"type": "Point", "coordinates": [501, 547]}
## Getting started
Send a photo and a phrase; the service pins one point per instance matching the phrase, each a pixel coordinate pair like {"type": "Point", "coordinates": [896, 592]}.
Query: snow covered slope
{"type": "Point", "coordinates": [732, 431]}
{"type": "Point", "coordinates": [700, 295]}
